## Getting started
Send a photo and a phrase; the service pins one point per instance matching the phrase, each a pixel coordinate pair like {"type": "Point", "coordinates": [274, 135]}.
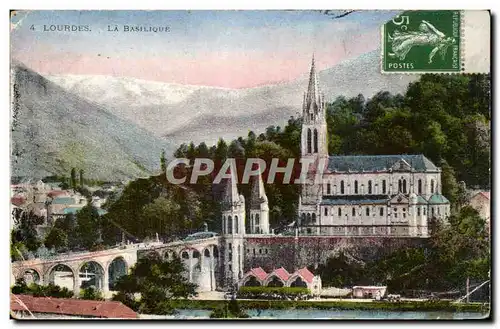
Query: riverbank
{"type": "Point", "coordinates": [338, 305]}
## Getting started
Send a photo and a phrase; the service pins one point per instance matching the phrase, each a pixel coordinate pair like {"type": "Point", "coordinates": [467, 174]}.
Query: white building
{"type": "Point", "coordinates": [377, 195]}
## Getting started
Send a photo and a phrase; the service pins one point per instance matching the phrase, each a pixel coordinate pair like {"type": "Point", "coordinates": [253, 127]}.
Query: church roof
{"type": "Point", "coordinates": [354, 199]}
{"type": "Point", "coordinates": [421, 200]}
{"type": "Point", "coordinates": [438, 199]}
{"type": "Point", "coordinates": [370, 163]}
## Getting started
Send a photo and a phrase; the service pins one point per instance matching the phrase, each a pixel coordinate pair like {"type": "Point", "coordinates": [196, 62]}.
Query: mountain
{"type": "Point", "coordinates": [54, 130]}
{"type": "Point", "coordinates": [183, 113]}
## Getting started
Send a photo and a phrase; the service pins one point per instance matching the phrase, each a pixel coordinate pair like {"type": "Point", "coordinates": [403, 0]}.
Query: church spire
{"type": "Point", "coordinates": [231, 195]}
{"type": "Point", "coordinates": [258, 194]}
{"type": "Point", "coordinates": [312, 102]}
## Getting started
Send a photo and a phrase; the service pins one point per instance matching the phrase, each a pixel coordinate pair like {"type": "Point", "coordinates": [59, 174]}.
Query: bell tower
{"type": "Point", "coordinates": [233, 231]}
{"type": "Point", "coordinates": [314, 129]}
{"type": "Point", "coordinates": [314, 146]}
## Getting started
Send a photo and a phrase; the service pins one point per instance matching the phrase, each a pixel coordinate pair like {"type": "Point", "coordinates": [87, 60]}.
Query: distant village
{"type": "Point", "coordinates": [53, 200]}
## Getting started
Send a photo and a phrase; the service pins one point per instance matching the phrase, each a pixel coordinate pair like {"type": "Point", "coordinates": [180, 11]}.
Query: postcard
{"type": "Point", "coordinates": [265, 164]}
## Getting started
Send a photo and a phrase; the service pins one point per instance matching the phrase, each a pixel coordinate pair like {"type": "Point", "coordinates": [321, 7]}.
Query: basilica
{"type": "Point", "coordinates": [358, 197]}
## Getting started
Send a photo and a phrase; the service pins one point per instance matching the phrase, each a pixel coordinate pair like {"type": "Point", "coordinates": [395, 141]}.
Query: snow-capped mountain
{"type": "Point", "coordinates": [183, 113]}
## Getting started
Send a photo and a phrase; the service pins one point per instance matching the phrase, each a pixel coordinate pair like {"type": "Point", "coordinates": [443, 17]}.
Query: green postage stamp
{"type": "Point", "coordinates": [422, 41]}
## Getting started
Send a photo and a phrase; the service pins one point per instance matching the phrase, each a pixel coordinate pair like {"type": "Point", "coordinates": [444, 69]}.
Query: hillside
{"type": "Point", "coordinates": [54, 130]}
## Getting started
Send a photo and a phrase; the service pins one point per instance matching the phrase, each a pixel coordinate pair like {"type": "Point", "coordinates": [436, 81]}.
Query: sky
{"type": "Point", "coordinates": [231, 49]}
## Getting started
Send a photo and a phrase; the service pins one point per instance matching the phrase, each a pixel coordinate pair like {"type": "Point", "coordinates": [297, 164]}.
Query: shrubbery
{"type": "Point", "coordinates": [274, 293]}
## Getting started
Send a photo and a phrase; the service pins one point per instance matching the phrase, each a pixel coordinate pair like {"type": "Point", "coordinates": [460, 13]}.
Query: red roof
{"type": "Point", "coordinates": [306, 274]}
{"type": "Point", "coordinates": [281, 273]}
{"type": "Point", "coordinates": [69, 306]}
{"type": "Point", "coordinates": [486, 194]}
{"type": "Point", "coordinates": [56, 193]}
{"type": "Point", "coordinates": [17, 200]}
{"type": "Point", "coordinates": [259, 273]}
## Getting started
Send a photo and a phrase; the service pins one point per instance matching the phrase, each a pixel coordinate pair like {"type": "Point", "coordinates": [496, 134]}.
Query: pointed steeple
{"type": "Point", "coordinates": [230, 196]}
{"type": "Point", "coordinates": [313, 98]}
{"type": "Point", "coordinates": [258, 195]}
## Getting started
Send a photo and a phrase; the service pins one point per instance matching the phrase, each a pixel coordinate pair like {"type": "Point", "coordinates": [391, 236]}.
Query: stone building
{"type": "Point", "coordinates": [374, 195]}
{"type": "Point", "coordinates": [362, 205]}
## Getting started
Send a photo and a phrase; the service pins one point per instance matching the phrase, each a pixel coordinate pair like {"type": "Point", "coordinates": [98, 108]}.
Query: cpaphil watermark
{"type": "Point", "coordinates": [303, 170]}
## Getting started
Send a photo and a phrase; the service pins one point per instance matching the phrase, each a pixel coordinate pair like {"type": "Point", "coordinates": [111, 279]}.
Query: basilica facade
{"type": "Point", "coordinates": [375, 195]}
{"type": "Point", "coordinates": [377, 202]}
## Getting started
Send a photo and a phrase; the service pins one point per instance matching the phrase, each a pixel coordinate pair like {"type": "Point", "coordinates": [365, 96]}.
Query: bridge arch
{"type": "Point", "coordinates": [96, 271]}
{"type": "Point", "coordinates": [62, 275]}
{"type": "Point", "coordinates": [30, 275]}
{"type": "Point", "coordinates": [116, 268]}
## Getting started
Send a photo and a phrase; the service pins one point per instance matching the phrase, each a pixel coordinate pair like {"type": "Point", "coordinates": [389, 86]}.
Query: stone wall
{"type": "Point", "coordinates": [294, 253]}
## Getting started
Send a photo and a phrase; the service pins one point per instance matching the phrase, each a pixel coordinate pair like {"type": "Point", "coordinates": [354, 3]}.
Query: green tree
{"type": "Point", "coordinates": [37, 290]}
{"type": "Point", "coordinates": [87, 227]}
{"type": "Point", "coordinates": [57, 239]}
{"type": "Point", "coordinates": [91, 293]}
{"type": "Point", "coordinates": [73, 178]}
{"type": "Point", "coordinates": [81, 178]}
{"type": "Point", "coordinates": [162, 217]}
{"type": "Point", "coordinates": [26, 229]}
{"type": "Point", "coordinates": [159, 283]}
{"type": "Point", "coordinates": [163, 161]}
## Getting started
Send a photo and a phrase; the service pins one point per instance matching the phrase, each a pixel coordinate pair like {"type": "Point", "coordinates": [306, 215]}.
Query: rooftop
{"type": "Point", "coordinates": [63, 200]}
{"type": "Point", "coordinates": [370, 163]}
{"type": "Point", "coordinates": [354, 199]}
{"type": "Point", "coordinates": [71, 306]}
{"type": "Point", "coordinates": [438, 199]}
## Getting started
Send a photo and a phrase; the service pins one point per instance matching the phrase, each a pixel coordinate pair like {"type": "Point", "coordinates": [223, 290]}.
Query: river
{"type": "Point", "coordinates": [331, 314]}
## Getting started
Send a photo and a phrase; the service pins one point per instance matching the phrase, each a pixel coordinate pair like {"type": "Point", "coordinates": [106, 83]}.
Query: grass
{"type": "Point", "coordinates": [340, 305]}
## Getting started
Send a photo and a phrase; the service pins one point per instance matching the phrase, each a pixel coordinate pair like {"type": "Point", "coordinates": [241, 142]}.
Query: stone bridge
{"type": "Point", "coordinates": [202, 259]}
{"type": "Point", "coordinates": [105, 267]}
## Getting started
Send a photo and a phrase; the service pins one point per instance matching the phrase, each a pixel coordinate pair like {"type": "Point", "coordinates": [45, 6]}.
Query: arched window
{"type": "Point", "coordinates": [229, 225]}
{"type": "Point", "coordinates": [418, 211]}
{"type": "Point", "coordinates": [315, 141]}
{"type": "Point", "coordinates": [326, 211]}
{"type": "Point", "coordinates": [328, 188]}
{"type": "Point", "coordinates": [400, 186]}
{"type": "Point", "coordinates": [404, 185]}
{"type": "Point", "coordinates": [303, 218]}
{"type": "Point", "coordinates": [353, 211]}
{"type": "Point", "coordinates": [432, 211]}
{"type": "Point", "coordinates": [314, 218]}
{"type": "Point", "coordinates": [367, 211]}
{"type": "Point", "coordinates": [381, 211]}
{"type": "Point", "coordinates": [340, 212]}
{"type": "Point", "coordinates": [236, 224]}
{"type": "Point", "coordinates": [356, 187]}
{"type": "Point", "coordinates": [341, 187]}
{"type": "Point", "coordinates": [369, 187]}
{"type": "Point", "coordinates": [308, 219]}
{"type": "Point", "coordinates": [425, 211]}
{"type": "Point", "coordinates": [432, 187]}
{"type": "Point", "coordinates": [384, 187]}
{"type": "Point", "coordinates": [309, 137]}
{"type": "Point", "coordinates": [419, 186]}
